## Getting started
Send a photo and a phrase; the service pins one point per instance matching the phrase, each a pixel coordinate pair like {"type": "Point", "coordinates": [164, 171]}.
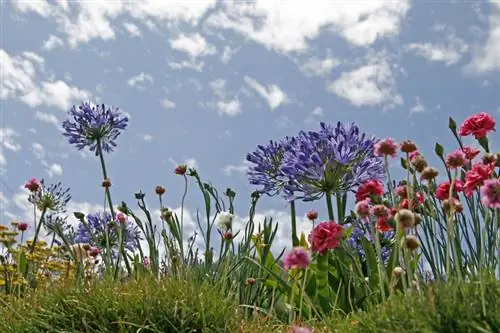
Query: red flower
{"type": "Point", "coordinates": [479, 125]}
{"type": "Point", "coordinates": [370, 187]}
{"type": "Point", "coordinates": [312, 215]}
{"type": "Point", "coordinates": [381, 225]}
{"type": "Point", "coordinates": [325, 236]}
{"type": "Point", "coordinates": [416, 201]}
{"type": "Point", "coordinates": [476, 176]}
{"type": "Point", "coordinates": [402, 191]}
{"type": "Point", "coordinates": [23, 226]}
{"type": "Point", "coordinates": [470, 153]}
{"type": "Point", "coordinates": [181, 169]}
{"type": "Point", "coordinates": [32, 185]}
{"type": "Point", "coordinates": [443, 190]}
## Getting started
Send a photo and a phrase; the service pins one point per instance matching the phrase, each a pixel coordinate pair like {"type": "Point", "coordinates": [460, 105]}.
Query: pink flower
{"type": "Point", "coordinates": [368, 188]}
{"type": "Point", "coordinates": [476, 176]}
{"type": "Point", "coordinates": [490, 193]}
{"type": "Point", "coordinates": [23, 226]}
{"type": "Point", "coordinates": [386, 147]}
{"type": "Point", "coordinates": [32, 185]}
{"type": "Point", "coordinates": [470, 153]}
{"type": "Point", "coordinates": [443, 190]}
{"type": "Point", "coordinates": [362, 208]}
{"type": "Point", "coordinates": [456, 159]}
{"type": "Point", "coordinates": [479, 125]}
{"type": "Point", "coordinates": [402, 191]}
{"type": "Point", "coordinates": [121, 218]}
{"type": "Point", "coordinates": [94, 251]}
{"type": "Point", "coordinates": [298, 257]}
{"type": "Point", "coordinates": [413, 154]}
{"type": "Point", "coordinates": [325, 236]}
{"type": "Point", "coordinates": [299, 329]}
{"type": "Point", "coordinates": [380, 211]}
{"type": "Point", "coordinates": [312, 215]}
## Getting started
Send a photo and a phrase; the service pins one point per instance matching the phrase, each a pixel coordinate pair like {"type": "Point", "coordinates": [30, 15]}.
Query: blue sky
{"type": "Point", "coordinates": [206, 81]}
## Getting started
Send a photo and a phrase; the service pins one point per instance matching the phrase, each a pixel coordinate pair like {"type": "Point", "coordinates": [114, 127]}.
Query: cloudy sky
{"type": "Point", "coordinates": [205, 81]}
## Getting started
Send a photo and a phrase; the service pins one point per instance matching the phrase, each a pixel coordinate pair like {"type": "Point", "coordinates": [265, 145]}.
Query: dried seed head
{"type": "Point", "coordinates": [412, 243]}
{"type": "Point", "coordinates": [429, 173]}
{"type": "Point", "coordinates": [419, 163]}
{"type": "Point", "coordinates": [405, 218]}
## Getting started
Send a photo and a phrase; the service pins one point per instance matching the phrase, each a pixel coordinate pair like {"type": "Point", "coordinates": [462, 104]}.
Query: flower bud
{"type": "Point", "coordinates": [429, 173]}
{"type": "Point", "coordinates": [419, 163]}
{"type": "Point", "coordinates": [405, 218]}
{"type": "Point", "coordinates": [408, 146]}
{"type": "Point", "coordinates": [412, 243]}
{"type": "Point", "coordinates": [120, 217]}
{"type": "Point", "coordinates": [312, 215]}
{"type": "Point", "coordinates": [23, 226]}
{"type": "Point", "coordinates": [181, 169]}
{"type": "Point", "coordinates": [159, 190]}
{"type": "Point", "coordinates": [397, 271]}
{"type": "Point", "coordinates": [106, 183]}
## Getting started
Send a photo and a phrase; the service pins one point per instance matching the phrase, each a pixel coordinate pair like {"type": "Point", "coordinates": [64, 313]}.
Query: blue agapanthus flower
{"type": "Point", "coordinates": [333, 159]}
{"type": "Point", "coordinates": [95, 232]}
{"type": "Point", "coordinates": [266, 170]}
{"type": "Point", "coordinates": [93, 124]}
{"type": "Point", "coordinates": [53, 197]}
{"type": "Point", "coordinates": [363, 230]}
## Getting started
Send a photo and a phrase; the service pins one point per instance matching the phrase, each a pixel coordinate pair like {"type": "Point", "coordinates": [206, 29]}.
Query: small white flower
{"type": "Point", "coordinates": [225, 221]}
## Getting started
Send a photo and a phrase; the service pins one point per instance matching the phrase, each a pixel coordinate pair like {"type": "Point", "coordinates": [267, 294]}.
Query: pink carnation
{"type": "Point", "coordinates": [298, 257]}
{"type": "Point", "coordinates": [325, 236]}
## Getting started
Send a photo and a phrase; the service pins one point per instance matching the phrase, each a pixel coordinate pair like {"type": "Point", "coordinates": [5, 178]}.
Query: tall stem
{"type": "Point", "coordinates": [329, 205]}
{"type": "Point", "coordinates": [293, 215]}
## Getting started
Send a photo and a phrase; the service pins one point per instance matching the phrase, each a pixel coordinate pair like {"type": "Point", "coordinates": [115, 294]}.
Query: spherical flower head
{"type": "Point", "coordinates": [457, 207]}
{"type": "Point", "coordinates": [32, 185]}
{"type": "Point", "coordinates": [405, 218]}
{"type": "Point", "coordinates": [333, 159]}
{"type": "Point", "coordinates": [386, 147]}
{"type": "Point", "coordinates": [414, 154]}
{"type": "Point", "coordinates": [181, 169]}
{"type": "Point", "coordinates": [300, 329]}
{"type": "Point", "coordinates": [106, 183]}
{"type": "Point", "coordinates": [476, 176]}
{"type": "Point", "coordinates": [50, 198]}
{"type": "Point", "coordinates": [166, 214]}
{"type": "Point", "coordinates": [228, 235]}
{"type": "Point", "coordinates": [380, 211]}
{"type": "Point", "coordinates": [23, 226]}
{"type": "Point", "coordinates": [402, 191]}
{"type": "Point", "coordinates": [408, 146]}
{"type": "Point", "coordinates": [470, 152]}
{"type": "Point", "coordinates": [92, 125]}
{"type": "Point", "coordinates": [362, 208]}
{"type": "Point", "coordinates": [225, 221]}
{"type": "Point", "coordinates": [419, 163]}
{"type": "Point", "coordinates": [250, 281]}
{"type": "Point", "coordinates": [397, 271]}
{"type": "Point", "coordinates": [325, 236]}
{"type": "Point", "coordinates": [443, 189]}
{"type": "Point", "coordinates": [456, 159]}
{"type": "Point", "coordinates": [370, 187]}
{"type": "Point", "coordinates": [412, 243]}
{"type": "Point", "coordinates": [159, 190]}
{"type": "Point", "coordinates": [488, 158]}
{"type": "Point", "coordinates": [312, 215]}
{"type": "Point", "coordinates": [478, 125]}
{"type": "Point", "coordinates": [490, 193]}
{"type": "Point", "coordinates": [417, 200]}
{"type": "Point", "coordinates": [94, 251]}
{"type": "Point", "coordinates": [120, 217]}
{"type": "Point", "coordinates": [297, 258]}
{"type": "Point", "coordinates": [429, 173]}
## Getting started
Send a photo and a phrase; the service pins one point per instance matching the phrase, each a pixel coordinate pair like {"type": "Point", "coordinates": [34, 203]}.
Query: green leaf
{"type": "Point", "coordinates": [79, 215]}
{"type": "Point", "coordinates": [23, 262]}
{"type": "Point", "coordinates": [452, 125]}
{"type": "Point", "coordinates": [371, 261]}
{"type": "Point", "coordinates": [404, 163]}
{"type": "Point", "coordinates": [439, 150]}
{"type": "Point", "coordinates": [484, 143]}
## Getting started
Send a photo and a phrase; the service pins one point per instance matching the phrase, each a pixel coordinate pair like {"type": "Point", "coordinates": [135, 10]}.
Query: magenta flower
{"type": "Point", "coordinates": [490, 193]}
{"type": "Point", "coordinates": [386, 147]}
{"type": "Point", "coordinates": [299, 329]}
{"type": "Point", "coordinates": [456, 159]}
{"type": "Point", "coordinates": [298, 257]}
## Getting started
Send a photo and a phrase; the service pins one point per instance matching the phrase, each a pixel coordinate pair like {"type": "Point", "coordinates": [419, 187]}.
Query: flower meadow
{"type": "Point", "coordinates": [377, 239]}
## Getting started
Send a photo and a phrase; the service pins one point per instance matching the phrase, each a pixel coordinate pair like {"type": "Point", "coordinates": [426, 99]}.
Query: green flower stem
{"type": "Point", "coordinates": [293, 214]}
{"type": "Point", "coordinates": [324, 292]}
{"type": "Point", "coordinates": [38, 228]}
{"type": "Point", "coordinates": [389, 180]}
{"type": "Point", "coordinates": [329, 205]}
{"type": "Point", "coordinates": [381, 277]}
{"type": "Point", "coordinates": [181, 232]}
{"type": "Point", "coordinates": [113, 215]}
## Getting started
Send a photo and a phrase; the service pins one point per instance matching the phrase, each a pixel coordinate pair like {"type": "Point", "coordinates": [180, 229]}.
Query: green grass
{"type": "Point", "coordinates": [175, 305]}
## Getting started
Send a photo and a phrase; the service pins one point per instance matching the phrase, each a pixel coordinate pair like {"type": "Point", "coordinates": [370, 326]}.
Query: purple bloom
{"type": "Point", "coordinates": [334, 159]}
{"type": "Point", "coordinates": [363, 230]}
{"type": "Point", "coordinates": [52, 198]}
{"type": "Point", "coordinates": [95, 232]}
{"type": "Point", "coordinates": [266, 169]}
{"type": "Point", "coordinates": [91, 125]}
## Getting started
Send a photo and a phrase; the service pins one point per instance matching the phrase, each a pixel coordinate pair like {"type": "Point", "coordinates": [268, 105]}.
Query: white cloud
{"type": "Point", "coordinates": [147, 137]}
{"type": "Point", "coordinates": [191, 163]}
{"type": "Point", "coordinates": [52, 42]}
{"type": "Point", "coordinates": [227, 54]}
{"type": "Point", "coordinates": [418, 107]}
{"type": "Point", "coordinates": [487, 58]}
{"type": "Point", "coordinates": [7, 136]}
{"type": "Point", "coordinates": [449, 53]}
{"type": "Point", "coordinates": [371, 84]}
{"type": "Point", "coordinates": [20, 80]}
{"type": "Point", "coordinates": [239, 169]}
{"type": "Point", "coordinates": [189, 64]}
{"type": "Point", "coordinates": [194, 45]}
{"type": "Point", "coordinates": [218, 86]}
{"type": "Point", "coordinates": [167, 104]}
{"type": "Point", "coordinates": [38, 150]}
{"type": "Point", "coordinates": [132, 29]}
{"type": "Point", "coordinates": [229, 108]}
{"type": "Point", "coordinates": [272, 93]}
{"type": "Point", "coordinates": [138, 80]}
{"type": "Point", "coordinates": [318, 111]}
{"type": "Point", "coordinates": [319, 67]}
{"type": "Point", "coordinates": [54, 170]}
{"type": "Point", "coordinates": [288, 25]}
{"type": "Point", "coordinates": [47, 118]}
